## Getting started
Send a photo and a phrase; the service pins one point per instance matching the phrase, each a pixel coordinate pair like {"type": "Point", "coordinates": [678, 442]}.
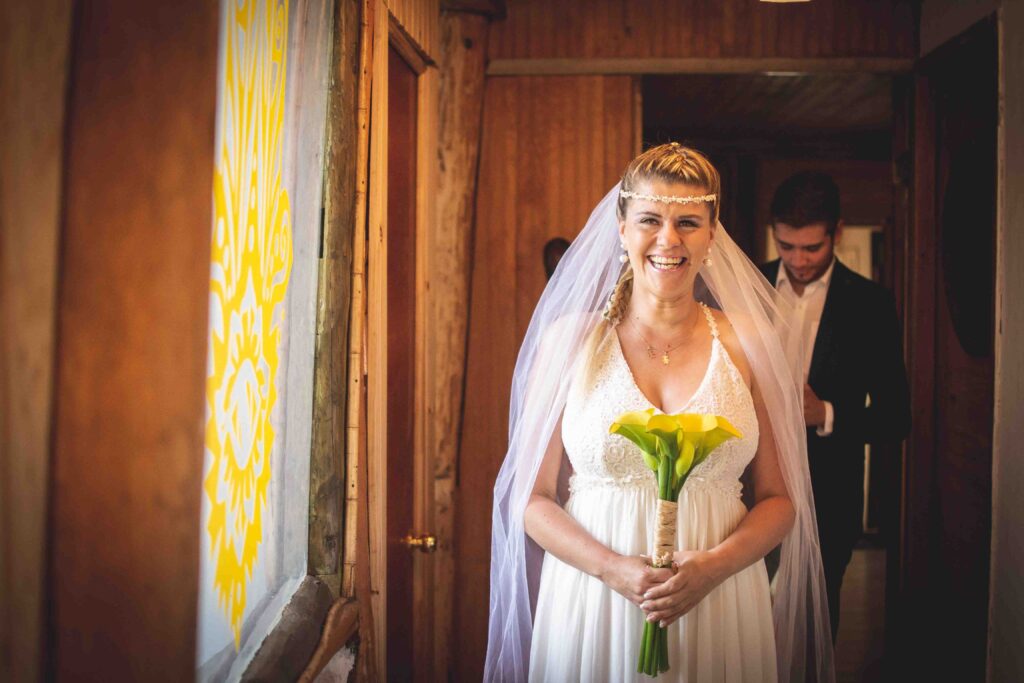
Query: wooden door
{"type": "Point", "coordinates": [551, 148]}
{"type": "Point", "coordinates": [401, 361]}
{"type": "Point", "coordinates": [950, 333]}
{"type": "Point", "coordinates": [134, 276]}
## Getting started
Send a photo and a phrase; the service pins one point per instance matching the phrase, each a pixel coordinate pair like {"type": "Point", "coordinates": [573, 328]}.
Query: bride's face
{"type": "Point", "coordinates": [666, 243]}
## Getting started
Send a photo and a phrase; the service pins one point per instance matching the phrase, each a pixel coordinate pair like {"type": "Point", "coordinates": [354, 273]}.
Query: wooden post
{"type": "Point", "coordinates": [326, 485]}
{"type": "Point", "coordinates": [356, 570]}
{"type": "Point", "coordinates": [462, 64]}
{"type": "Point", "coordinates": [357, 329]}
{"type": "Point", "coordinates": [375, 340]}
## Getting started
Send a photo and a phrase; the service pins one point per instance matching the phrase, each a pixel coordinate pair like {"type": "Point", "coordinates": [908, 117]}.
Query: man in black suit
{"type": "Point", "coordinates": [855, 389]}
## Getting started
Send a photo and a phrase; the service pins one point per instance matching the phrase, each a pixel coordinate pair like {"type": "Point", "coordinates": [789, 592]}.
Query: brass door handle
{"type": "Point", "coordinates": [425, 544]}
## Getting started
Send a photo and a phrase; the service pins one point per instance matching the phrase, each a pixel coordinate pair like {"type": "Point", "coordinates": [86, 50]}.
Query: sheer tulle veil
{"type": "Point", "coordinates": [568, 312]}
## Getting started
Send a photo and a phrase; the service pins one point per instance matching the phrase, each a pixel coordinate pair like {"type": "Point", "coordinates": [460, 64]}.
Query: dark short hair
{"type": "Point", "coordinates": [554, 250]}
{"type": "Point", "coordinates": [805, 198]}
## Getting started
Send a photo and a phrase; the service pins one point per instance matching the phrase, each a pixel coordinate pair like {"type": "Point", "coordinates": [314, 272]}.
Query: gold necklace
{"type": "Point", "coordinates": [652, 352]}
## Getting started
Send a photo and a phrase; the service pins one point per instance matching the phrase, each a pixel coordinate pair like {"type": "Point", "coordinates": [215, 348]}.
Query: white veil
{"type": "Point", "coordinates": [568, 311]}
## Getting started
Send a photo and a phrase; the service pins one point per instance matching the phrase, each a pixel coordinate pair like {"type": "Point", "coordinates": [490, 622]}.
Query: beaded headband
{"type": "Point", "coordinates": [666, 199]}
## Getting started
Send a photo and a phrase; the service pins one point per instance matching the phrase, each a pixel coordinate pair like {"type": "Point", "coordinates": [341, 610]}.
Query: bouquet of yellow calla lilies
{"type": "Point", "coordinates": [671, 445]}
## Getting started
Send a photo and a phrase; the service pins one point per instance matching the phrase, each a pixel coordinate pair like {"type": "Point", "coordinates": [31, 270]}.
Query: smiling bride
{"type": "Point", "coordinates": [654, 306]}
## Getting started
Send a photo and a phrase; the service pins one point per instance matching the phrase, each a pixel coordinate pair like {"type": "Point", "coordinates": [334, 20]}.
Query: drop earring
{"type": "Point", "coordinates": [707, 261]}
{"type": "Point", "coordinates": [623, 257]}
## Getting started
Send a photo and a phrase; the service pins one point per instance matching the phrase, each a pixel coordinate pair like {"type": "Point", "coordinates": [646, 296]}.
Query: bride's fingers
{"type": "Point", "coordinates": [673, 584]}
{"type": "Point", "coordinates": [665, 606]}
{"type": "Point", "coordinates": [654, 580]}
{"type": "Point", "coordinates": [670, 615]}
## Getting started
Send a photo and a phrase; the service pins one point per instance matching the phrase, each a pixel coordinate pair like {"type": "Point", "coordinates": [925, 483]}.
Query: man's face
{"type": "Point", "coordinates": [806, 251]}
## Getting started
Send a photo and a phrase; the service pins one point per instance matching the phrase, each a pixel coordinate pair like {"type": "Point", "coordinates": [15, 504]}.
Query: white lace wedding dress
{"type": "Point", "coordinates": [585, 631]}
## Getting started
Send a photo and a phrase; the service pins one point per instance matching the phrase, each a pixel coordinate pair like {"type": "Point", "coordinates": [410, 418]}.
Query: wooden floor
{"type": "Point", "coordinates": [861, 639]}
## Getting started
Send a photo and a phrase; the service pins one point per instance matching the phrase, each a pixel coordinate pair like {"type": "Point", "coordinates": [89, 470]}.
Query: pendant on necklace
{"type": "Point", "coordinates": [664, 359]}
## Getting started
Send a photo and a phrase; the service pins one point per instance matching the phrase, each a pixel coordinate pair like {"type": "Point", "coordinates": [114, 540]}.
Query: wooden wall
{"type": "Point", "coordinates": [551, 148]}
{"type": "Point", "coordinates": [132, 332]}
{"type": "Point", "coordinates": [604, 29]}
{"type": "Point", "coordinates": [865, 189]}
{"type": "Point", "coordinates": [34, 39]}
{"type": "Point", "coordinates": [419, 20]}
{"type": "Point", "coordinates": [1006, 607]}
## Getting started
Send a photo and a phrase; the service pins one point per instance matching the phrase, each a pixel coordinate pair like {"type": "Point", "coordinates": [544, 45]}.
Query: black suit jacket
{"type": "Point", "coordinates": [858, 352]}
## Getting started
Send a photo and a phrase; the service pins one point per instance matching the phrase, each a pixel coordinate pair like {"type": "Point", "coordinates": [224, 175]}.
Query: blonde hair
{"type": "Point", "coordinates": [672, 163]}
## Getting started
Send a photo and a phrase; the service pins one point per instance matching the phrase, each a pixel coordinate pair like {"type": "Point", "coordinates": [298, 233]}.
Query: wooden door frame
{"type": "Point", "coordinates": [922, 301]}
{"type": "Point", "coordinates": [389, 33]}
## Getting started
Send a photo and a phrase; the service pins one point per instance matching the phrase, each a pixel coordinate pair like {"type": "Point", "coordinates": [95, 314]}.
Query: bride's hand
{"type": "Point", "coordinates": [632, 576]}
{"type": "Point", "coordinates": [696, 575]}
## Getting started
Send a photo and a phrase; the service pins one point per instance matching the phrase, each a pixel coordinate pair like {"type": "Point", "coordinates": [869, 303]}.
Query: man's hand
{"type": "Point", "coordinates": [814, 408]}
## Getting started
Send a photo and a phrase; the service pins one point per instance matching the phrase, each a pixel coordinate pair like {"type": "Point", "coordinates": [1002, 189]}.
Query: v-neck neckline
{"type": "Point", "coordinates": [640, 392]}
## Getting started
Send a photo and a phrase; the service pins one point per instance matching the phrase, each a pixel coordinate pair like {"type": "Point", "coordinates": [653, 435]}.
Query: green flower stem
{"type": "Point", "coordinates": [672, 446]}
{"type": "Point", "coordinates": [652, 652]}
{"type": "Point", "coordinates": [665, 478]}
{"type": "Point", "coordinates": [663, 650]}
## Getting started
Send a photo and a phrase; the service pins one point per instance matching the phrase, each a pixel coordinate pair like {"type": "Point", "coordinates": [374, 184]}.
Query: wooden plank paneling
{"type": "Point", "coordinates": [551, 148]}
{"type": "Point", "coordinates": [34, 41]}
{"type": "Point", "coordinates": [420, 20]}
{"type": "Point", "coordinates": [131, 358]}
{"type": "Point", "coordinates": [540, 29]}
{"type": "Point", "coordinates": [490, 357]}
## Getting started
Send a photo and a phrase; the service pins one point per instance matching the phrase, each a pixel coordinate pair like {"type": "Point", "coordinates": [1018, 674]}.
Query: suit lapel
{"type": "Point", "coordinates": [770, 271]}
{"type": "Point", "coordinates": [826, 328]}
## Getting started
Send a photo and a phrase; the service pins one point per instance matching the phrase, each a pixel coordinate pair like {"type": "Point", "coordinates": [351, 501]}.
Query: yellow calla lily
{"type": "Point", "coordinates": [672, 445]}
{"type": "Point", "coordinates": [633, 426]}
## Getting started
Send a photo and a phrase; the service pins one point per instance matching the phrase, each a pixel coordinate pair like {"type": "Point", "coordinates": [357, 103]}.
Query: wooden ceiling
{"type": "Point", "coordinates": [753, 105]}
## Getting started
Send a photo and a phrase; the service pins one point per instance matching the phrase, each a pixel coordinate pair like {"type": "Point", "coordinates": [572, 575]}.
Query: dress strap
{"type": "Point", "coordinates": [712, 323]}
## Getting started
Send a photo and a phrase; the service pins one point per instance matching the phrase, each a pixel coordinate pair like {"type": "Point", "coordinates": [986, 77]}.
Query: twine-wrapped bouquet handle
{"type": "Point", "coordinates": [672, 446]}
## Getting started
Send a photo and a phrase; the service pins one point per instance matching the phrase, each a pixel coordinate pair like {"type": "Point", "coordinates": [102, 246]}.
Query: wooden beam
{"type": "Point", "coordinates": [341, 625]}
{"type": "Point", "coordinates": [734, 65]}
{"type": "Point", "coordinates": [330, 381]}
{"type": "Point", "coordinates": [462, 60]}
{"type": "Point", "coordinates": [284, 654]}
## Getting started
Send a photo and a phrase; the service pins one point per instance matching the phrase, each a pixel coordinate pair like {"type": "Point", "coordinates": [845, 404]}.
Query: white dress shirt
{"type": "Point", "coordinates": [807, 308]}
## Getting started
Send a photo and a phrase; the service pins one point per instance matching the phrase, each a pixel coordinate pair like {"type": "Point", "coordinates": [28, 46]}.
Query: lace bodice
{"type": "Point", "coordinates": [600, 459]}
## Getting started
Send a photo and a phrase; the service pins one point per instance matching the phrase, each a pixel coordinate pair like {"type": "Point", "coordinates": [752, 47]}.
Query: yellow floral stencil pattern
{"type": "Point", "coordinates": [252, 259]}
